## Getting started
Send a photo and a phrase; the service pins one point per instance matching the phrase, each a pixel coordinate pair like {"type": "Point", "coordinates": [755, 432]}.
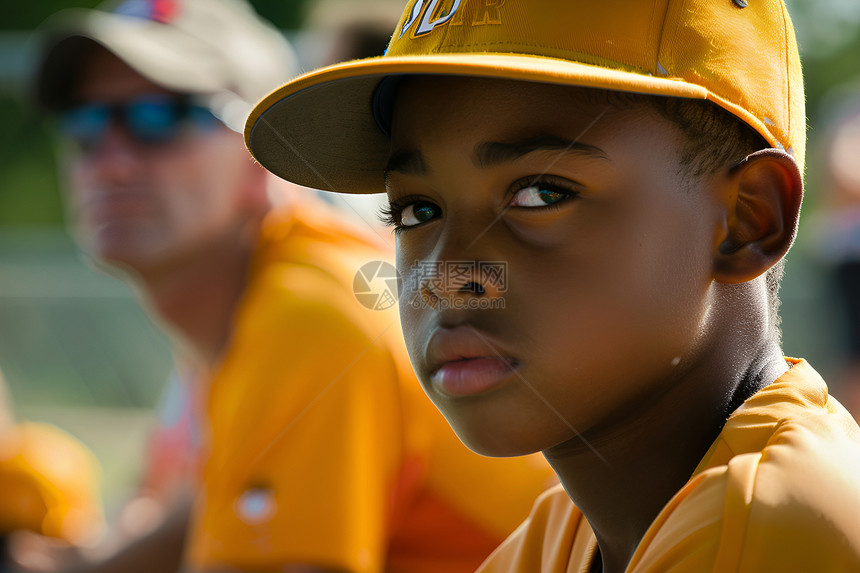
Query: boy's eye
{"type": "Point", "coordinates": [538, 195]}
{"type": "Point", "coordinates": [416, 213]}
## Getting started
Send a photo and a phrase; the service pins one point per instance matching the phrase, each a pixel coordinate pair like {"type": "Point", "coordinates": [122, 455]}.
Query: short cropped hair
{"type": "Point", "coordinates": [714, 139]}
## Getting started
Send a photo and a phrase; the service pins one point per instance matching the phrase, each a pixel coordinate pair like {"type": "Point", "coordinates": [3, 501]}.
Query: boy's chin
{"type": "Point", "coordinates": [505, 441]}
{"type": "Point", "coordinates": [495, 450]}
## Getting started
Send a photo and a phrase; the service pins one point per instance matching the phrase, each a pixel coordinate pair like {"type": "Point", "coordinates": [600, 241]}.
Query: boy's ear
{"type": "Point", "coordinates": [762, 202]}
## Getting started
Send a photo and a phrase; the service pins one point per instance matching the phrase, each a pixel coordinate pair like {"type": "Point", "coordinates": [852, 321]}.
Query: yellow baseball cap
{"type": "Point", "coordinates": [325, 129]}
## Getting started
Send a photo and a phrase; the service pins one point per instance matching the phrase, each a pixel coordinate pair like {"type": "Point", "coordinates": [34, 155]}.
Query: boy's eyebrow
{"type": "Point", "coordinates": [494, 152]}
{"type": "Point", "coordinates": [408, 162]}
{"type": "Point", "coordinates": [411, 162]}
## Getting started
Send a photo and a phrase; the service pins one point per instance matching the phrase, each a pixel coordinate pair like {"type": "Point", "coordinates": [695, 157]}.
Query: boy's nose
{"type": "Point", "coordinates": [458, 283]}
{"type": "Point", "coordinates": [474, 288]}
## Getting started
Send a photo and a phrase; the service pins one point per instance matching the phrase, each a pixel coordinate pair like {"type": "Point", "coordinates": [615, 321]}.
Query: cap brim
{"type": "Point", "coordinates": [169, 59]}
{"type": "Point", "coordinates": [319, 130]}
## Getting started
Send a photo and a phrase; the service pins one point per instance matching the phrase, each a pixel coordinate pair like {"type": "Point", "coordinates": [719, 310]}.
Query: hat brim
{"type": "Point", "coordinates": [318, 130]}
{"type": "Point", "coordinates": [159, 53]}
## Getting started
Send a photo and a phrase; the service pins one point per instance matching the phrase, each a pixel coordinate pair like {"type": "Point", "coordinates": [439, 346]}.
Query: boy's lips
{"type": "Point", "coordinates": [463, 361]}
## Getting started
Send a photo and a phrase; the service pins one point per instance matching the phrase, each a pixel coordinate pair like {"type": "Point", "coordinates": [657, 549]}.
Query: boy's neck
{"type": "Point", "coordinates": [653, 452]}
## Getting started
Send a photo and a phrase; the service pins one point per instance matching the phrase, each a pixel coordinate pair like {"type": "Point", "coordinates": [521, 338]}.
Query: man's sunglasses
{"type": "Point", "coordinates": [150, 120]}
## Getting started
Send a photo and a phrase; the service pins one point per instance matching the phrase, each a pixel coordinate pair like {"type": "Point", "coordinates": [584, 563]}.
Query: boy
{"type": "Point", "coordinates": [637, 345]}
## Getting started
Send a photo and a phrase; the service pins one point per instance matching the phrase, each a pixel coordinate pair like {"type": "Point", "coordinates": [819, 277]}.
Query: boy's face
{"type": "Point", "coordinates": [608, 253]}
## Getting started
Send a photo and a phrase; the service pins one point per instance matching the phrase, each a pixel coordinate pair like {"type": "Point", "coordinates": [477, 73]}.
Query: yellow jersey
{"type": "Point", "coordinates": [779, 490]}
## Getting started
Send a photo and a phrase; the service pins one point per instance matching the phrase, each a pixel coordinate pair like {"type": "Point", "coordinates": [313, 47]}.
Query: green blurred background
{"type": "Point", "coordinates": [75, 348]}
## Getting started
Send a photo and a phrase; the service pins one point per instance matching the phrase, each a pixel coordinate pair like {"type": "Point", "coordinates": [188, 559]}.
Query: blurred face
{"type": "Point", "coordinates": [152, 204]}
{"type": "Point", "coordinates": [605, 254]}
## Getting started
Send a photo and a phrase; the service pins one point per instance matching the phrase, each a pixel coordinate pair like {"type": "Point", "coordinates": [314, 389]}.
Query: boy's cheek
{"type": "Point", "coordinates": [544, 232]}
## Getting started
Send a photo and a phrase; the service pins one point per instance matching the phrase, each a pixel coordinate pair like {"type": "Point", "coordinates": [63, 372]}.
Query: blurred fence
{"type": "Point", "coordinates": [68, 335]}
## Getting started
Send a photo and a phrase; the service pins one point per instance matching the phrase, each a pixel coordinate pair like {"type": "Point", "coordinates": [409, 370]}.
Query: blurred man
{"type": "Point", "coordinates": [319, 450]}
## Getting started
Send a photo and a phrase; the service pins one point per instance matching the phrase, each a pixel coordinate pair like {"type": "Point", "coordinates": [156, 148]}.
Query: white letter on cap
{"type": "Point", "coordinates": [416, 10]}
{"type": "Point", "coordinates": [426, 26]}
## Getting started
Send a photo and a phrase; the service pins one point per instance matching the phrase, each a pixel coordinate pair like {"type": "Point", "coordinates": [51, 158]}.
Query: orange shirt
{"type": "Point", "coordinates": [323, 449]}
{"type": "Point", "coordinates": [779, 490]}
